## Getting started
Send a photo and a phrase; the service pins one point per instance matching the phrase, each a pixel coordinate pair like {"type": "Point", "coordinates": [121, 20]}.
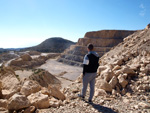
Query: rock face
{"type": "Point", "coordinates": [103, 41]}
{"type": "Point", "coordinates": [56, 93]}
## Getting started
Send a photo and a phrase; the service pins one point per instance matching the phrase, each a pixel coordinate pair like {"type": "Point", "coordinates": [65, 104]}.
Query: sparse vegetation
{"type": "Point", "coordinates": [17, 76]}
{"type": "Point", "coordinates": [36, 71]}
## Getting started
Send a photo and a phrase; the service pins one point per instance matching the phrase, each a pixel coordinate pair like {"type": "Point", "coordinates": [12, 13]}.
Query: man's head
{"type": "Point", "coordinates": [90, 47]}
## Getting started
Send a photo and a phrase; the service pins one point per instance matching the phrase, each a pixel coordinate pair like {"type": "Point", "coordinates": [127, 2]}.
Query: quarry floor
{"type": "Point", "coordinates": [65, 73]}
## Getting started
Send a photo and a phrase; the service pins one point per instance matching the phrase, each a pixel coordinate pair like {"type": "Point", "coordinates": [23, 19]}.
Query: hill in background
{"type": "Point", "coordinates": [55, 44]}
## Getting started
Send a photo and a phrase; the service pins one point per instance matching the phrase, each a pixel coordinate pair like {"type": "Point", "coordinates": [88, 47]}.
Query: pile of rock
{"type": "Point", "coordinates": [44, 78]}
{"type": "Point", "coordinates": [127, 64]}
{"type": "Point", "coordinates": [4, 57]}
{"type": "Point", "coordinates": [26, 61]}
{"type": "Point", "coordinates": [28, 95]}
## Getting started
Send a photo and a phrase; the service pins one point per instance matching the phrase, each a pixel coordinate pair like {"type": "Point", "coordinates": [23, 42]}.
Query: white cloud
{"type": "Point", "coordinates": [143, 10]}
{"type": "Point", "coordinates": [142, 6]}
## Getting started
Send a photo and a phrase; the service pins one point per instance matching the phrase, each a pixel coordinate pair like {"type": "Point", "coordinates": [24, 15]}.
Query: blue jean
{"type": "Point", "coordinates": [89, 78]}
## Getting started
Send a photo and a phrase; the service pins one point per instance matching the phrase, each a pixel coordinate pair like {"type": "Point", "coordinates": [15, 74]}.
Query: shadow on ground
{"type": "Point", "coordinates": [100, 108]}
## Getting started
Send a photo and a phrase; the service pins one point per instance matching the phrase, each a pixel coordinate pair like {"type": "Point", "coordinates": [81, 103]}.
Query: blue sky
{"type": "Point", "coordinates": [26, 23]}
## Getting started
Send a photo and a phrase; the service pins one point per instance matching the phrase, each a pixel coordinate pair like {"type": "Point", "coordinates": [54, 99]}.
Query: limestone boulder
{"type": "Point", "coordinates": [11, 84]}
{"type": "Point", "coordinates": [55, 103]}
{"type": "Point", "coordinates": [122, 81]}
{"type": "Point", "coordinates": [100, 92]}
{"type": "Point", "coordinates": [44, 78]}
{"type": "Point", "coordinates": [144, 105]}
{"type": "Point", "coordinates": [118, 62]}
{"type": "Point", "coordinates": [102, 84]}
{"type": "Point", "coordinates": [107, 74]}
{"type": "Point", "coordinates": [39, 100]}
{"type": "Point", "coordinates": [3, 110]}
{"type": "Point", "coordinates": [125, 75]}
{"type": "Point", "coordinates": [18, 101]}
{"type": "Point", "coordinates": [29, 87]}
{"type": "Point", "coordinates": [117, 72]}
{"type": "Point", "coordinates": [143, 70]}
{"type": "Point", "coordinates": [101, 68]}
{"type": "Point", "coordinates": [45, 91]}
{"type": "Point", "coordinates": [148, 69]}
{"type": "Point", "coordinates": [128, 70]}
{"type": "Point", "coordinates": [114, 92]}
{"type": "Point", "coordinates": [135, 66]}
{"type": "Point", "coordinates": [113, 81]}
{"type": "Point", "coordinates": [30, 109]}
{"type": "Point", "coordinates": [3, 103]}
{"type": "Point", "coordinates": [140, 87]}
{"type": "Point", "coordinates": [17, 62]}
{"type": "Point", "coordinates": [26, 57]}
{"type": "Point", "coordinates": [55, 92]}
{"type": "Point", "coordinates": [117, 67]}
{"type": "Point", "coordinates": [8, 93]}
{"type": "Point", "coordinates": [146, 87]}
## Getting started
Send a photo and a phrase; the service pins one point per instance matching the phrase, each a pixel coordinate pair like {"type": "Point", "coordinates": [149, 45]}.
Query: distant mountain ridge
{"type": "Point", "coordinates": [54, 44]}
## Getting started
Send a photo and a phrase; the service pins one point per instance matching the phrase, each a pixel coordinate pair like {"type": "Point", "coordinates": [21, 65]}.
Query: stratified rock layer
{"type": "Point", "coordinates": [102, 40]}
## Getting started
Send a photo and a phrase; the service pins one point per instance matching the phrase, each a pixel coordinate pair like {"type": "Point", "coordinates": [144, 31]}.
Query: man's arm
{"type": "Point", "coordinates": [85, 63]}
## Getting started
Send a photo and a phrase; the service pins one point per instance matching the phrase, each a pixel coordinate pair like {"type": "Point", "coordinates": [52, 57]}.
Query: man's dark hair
{"type": "Point", "coordinates": [90, 46]}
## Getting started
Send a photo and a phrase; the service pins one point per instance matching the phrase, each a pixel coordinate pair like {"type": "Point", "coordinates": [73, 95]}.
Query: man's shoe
{"type": "Point", "coordinates": [90, 101]}
{"type": "Point", "coordinates": [81, 96]}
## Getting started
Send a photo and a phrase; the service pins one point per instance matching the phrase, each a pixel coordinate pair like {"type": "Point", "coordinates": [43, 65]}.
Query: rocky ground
{"type": "Point", "coordinates": [137, 102]}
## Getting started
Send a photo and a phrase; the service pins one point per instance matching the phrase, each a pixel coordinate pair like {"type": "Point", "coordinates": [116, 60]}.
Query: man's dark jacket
{"type": "Point", "coordinates": [93, 64]}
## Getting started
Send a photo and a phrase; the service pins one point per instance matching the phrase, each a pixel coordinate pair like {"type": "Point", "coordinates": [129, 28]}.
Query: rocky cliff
{"type": "Point", "coordinates": [103, 41]}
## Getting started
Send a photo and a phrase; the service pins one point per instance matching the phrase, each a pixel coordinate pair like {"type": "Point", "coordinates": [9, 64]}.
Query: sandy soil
{"type": "Point", "coordinates": [63, 70]}
{"type": "Point", "coordinates": [65, 73]}
{"type": "Point", "coordinates": [23, 73]}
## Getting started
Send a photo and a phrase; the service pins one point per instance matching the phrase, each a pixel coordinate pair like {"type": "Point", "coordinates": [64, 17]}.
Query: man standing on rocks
{"type": "Point", "coordinates": [90, 65]}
